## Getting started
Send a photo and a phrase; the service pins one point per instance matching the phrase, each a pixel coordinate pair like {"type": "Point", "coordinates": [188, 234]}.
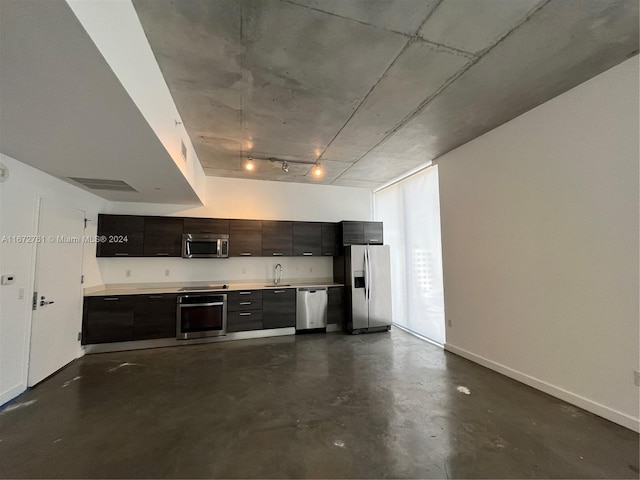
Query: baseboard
{"type": "Point", "coordinates": [601, 410]}
{"type": "Point", "coordinates": [11, 394]}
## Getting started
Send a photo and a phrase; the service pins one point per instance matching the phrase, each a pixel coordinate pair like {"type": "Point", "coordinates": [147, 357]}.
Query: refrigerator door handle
{"type": "Point", "coordinates": [367, 274]}
{"type": "Point", "coordinates": [369, 271]}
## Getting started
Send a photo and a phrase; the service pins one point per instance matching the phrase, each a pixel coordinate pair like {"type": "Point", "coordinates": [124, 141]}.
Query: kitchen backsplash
{"type": "Point", "coordinates": [235, 269]}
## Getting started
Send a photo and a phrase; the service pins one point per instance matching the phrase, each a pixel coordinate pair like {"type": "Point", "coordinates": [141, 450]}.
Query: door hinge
{"type": "Point", "coordinates": [79, 336]}
{"type": "Point", "coordinates": [81, 278]}
{"type": "Point", "coordinates": [34, 304]}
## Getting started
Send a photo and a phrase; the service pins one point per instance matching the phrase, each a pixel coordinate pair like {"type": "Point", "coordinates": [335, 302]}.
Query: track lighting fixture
{"type": "Point", "coordinates": [248, 165]}
{"type": "Point", "coordinates": [285, 167]}
{"type": "Point", "coordinates": [316, 168]}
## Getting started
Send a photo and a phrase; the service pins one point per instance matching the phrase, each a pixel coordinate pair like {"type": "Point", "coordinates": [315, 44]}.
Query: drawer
{"type": "Point", "coordinates": [244, 320]}
{"type": "Point", "coordinates": [244, 296]}
{"type": "Point", "coordinates": [248, 303]}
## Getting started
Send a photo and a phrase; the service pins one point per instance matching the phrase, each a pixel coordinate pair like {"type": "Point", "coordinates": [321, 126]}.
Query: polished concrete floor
{"type": "Point", "coordinates": [332, 406]}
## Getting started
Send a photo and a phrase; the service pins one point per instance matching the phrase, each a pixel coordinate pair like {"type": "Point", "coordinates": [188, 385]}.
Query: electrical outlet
{"type": "Point", "coordinates": [310, 270]}
{"type": "Point", "coordinates": [636, 380]}
{"type": "Point", "coordinates": [166, 273]}
{"type": "Point", "coordinates": [449, 322]}
{"type": "Point", "coordinates": [127, 273]}
{"type": "Point", "coordinates": [21, 294]}
{"type": "Point", "coordinates": [244, 271]}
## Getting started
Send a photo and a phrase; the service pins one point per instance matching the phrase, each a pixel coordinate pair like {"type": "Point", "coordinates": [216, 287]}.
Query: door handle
{"type": "Point", "coordinates": [43, 302]}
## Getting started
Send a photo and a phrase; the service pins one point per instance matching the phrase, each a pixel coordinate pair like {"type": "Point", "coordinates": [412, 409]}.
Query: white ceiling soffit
{"type": "Point", "coordinates": [66, 113]}
{"type": "Point", "coordinates": [371, 88]}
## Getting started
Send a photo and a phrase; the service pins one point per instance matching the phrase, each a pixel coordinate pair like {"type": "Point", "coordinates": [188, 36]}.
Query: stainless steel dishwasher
{"type": "Point", "coordinates": [311, 308]}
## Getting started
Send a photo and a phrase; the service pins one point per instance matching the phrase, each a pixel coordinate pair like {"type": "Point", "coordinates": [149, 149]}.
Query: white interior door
{"type": "Point", "coordinates": [55, 325]}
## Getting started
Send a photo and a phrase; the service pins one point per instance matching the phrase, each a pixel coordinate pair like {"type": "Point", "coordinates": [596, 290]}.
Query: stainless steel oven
{"type": "Point", "coordinates": [201, 315]}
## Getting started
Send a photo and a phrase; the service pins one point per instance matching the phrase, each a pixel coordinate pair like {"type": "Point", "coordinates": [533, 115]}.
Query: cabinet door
{"type": "Point", "coordinates": [277, 239]}
{"type": "Point", "coordinates": [108, 319]}
{"type": "Point", "coordinates": [335, 307]}
{"type": "Point", "coordinates": [155, 316]}
{"type": "Point", "coordinates": [352, 233]}
{"type": "Point", "coordinates": [123, 236]}
{"type": "Point", "coordinates": [329, 239]}
{"type": "Point", "coordinates": [307, 239]}
{"type": "Point", "coordinates": [279, 308]}
{"type": "Point", "coordinates": [373, 233]}
{"type": "Point", "coordinates": [245, 238]}
{"type": "Point", "coordinates": [206, 225]}
{"type": "Point", "coordinates": [163, 237]}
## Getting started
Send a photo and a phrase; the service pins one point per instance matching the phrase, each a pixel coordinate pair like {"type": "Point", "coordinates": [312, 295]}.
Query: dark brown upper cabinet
{"type": "Point", "coordinates": [163, 236]}
{"type": "Point", "coordinates": [120, 236]}
{"type": "Point", "coordinates": [245, 238]}
{"type": "Point", "coordinates": [277, 239]}
{"type": "Point", "coordinates": [360, 233]}
{"type": "Point", "coordinates": [307, 239]}
{"type": "Point", "coordinates": [373, 233]}
{"type": "Point", "coordinates": [206, 226]}
{"type": "Point", "coordinates": [329, 239]}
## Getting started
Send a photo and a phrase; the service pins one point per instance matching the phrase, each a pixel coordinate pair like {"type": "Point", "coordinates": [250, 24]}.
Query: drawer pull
{"type": "Point", "coordinates": [109, 299]}
{"type": "Point", "coordinates": [279, 291]}
{"type": "Point", "coordinates": [374, 239]}
{"type": "Point", "coordinates": [245, 303]}
{"type": "Point", "coordinates": [245, 254]}
{"type": "Point", "coordinates": [155, 296]}
{"type": "Point", "coordinates": [162, 254]}
{"type": "Point", "coordinates": [122, 254]}
{"type": "Point", "coordinates": [245, 314]}
{"type": "Point", "coordinates": [307, 254]}
{"type": "Point", "coordinates": [277, 254]}
{"type": "Point", "coordinates": [328, 254]}
{"type": "Point", "coordinates": [244, 293]}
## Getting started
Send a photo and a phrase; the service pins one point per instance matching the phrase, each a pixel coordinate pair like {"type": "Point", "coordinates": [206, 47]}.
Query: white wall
{"type": "Point", "coordinates": [540, 246]}
{"type": "Point", "coordinates": [250, 199]}
{"type": "Point", "coordinates": [18, 216]}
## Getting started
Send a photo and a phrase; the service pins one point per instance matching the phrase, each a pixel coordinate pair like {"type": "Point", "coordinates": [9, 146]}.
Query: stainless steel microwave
{"type": "Point", "coordinates": [200, 245]}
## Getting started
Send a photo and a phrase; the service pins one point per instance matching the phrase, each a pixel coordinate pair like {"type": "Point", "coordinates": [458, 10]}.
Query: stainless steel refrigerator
{"type": "Point", "coordinates": [367, 279]}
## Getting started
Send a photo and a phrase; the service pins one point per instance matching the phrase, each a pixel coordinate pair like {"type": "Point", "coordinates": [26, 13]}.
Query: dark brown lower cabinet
{"type": "Point", "coordinates": [108, 319]}
{"type": "Point", "coordinates": [155, 316]}
{"type": "Point", "coordinates": [244, 320]}
{"type": "Point", "coordinates": [335, 305]}
{"type": "Point", "coordinates": [279, 308]}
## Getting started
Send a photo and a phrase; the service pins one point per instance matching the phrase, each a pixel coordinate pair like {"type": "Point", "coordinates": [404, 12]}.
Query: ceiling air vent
{"type": "Point", "coordinates": [103, 184]}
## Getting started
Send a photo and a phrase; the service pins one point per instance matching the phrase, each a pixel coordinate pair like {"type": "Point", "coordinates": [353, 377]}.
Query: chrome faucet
{"type": "Point", "coordinates": [277, 274]}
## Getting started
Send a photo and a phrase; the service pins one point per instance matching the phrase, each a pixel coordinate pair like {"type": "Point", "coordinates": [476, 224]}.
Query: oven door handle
{"type": "Point", "coordinates": [212, 304]}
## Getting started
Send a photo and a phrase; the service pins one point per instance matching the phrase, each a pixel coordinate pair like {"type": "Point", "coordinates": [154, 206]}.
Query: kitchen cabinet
{"type": "Point", "coordinates": [307, 239]}
{"type": "Point", "coordinates": [120, 236]}
{"type": "Point", "coordinates": [279, 308]}
{"type": "Point", "coordinates": [277, 238]}
{"type": "Point", "coordinates": [360, 233]}
{"type": "Point", "coordinates": [108, 319]}
{"type": "Point", "coordinates": [373, 233]}
{"type": "Point", "coordinates": [206, 226]}
{"type": "Point", "coordinates": [245, 320]}
{"type": "Point", "coordinates": [245, 238]}
{"type": "Point", "coordinates": [154, 316]}
{"type": "Point", "coordinates": [163, 236]}
{"type": "Point", "coordinates": [329, 239]}
{"type": "Point", "coordinates": [244, 300]}
{"type": "Point", "coordinates": [335, 305]}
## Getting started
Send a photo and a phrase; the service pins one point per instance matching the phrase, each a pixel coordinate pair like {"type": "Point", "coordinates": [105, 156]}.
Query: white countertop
{"type": "Point", "coordinates": [156, 288]}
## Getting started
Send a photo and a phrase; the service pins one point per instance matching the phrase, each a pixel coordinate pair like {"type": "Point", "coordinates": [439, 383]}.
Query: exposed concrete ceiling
{"type": "Point", "coordinates": [371, 88]}
{"type": "Point", "coordinates": [64, 111]}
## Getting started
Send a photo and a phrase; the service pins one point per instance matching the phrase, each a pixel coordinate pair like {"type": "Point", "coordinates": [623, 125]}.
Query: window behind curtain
{"type": "Point", "coordinates": [410, 210]}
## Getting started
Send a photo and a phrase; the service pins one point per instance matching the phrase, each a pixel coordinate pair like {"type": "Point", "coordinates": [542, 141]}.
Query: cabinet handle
{"type": "Point", "coordinates": [155, 296]}
{"type": "Point", "coordinates": [277, 254]}
{"type": "Point", "coordinates": [122, 254]}
{"type": "Point", "coordinates": [245, 314]}
{"type": "Point", "coordinates": [162, 254]}
{"type": "Point", "coordinates": [328, 254]}
{"type": "Point", "coordinates": [245, 303]}
{"type": "Point", "coordinates": [374, 239]}
{"type": "Point", "coordinates": [109, 299]}
{"type": "Point", "coordinates": [279, 291]}
{"type": "Point", "coordinates": [245, 254]}
{"type": "Point", "coordinates": [307, 254]}
{"type": "Point", "coordinates": [244, 293]}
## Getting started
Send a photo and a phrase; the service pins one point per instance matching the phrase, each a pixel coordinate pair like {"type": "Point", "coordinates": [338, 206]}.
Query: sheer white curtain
{"type": "Point", "coordinates": [410, 210]}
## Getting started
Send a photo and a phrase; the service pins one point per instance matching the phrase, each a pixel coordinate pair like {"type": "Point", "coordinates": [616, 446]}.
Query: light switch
{"type": "Point", "coordinates": [8, 279]}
